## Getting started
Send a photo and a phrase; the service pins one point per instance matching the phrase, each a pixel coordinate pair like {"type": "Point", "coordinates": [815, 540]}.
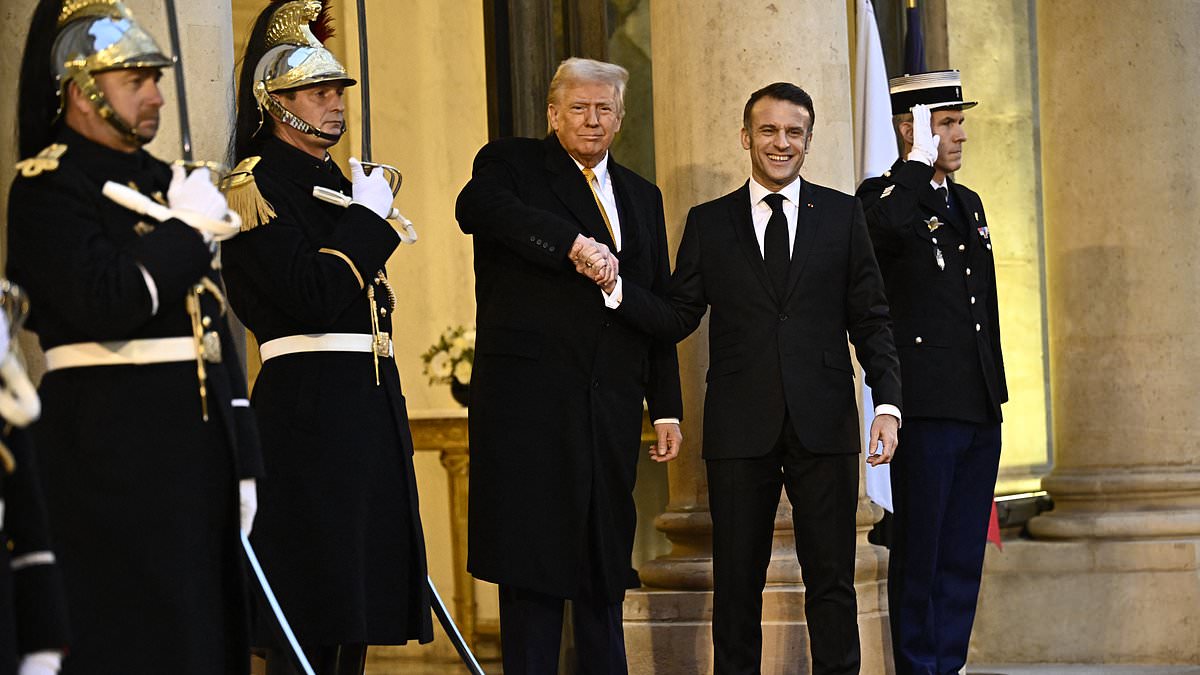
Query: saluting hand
{"type": "Point", "coordinates": [925, 144]}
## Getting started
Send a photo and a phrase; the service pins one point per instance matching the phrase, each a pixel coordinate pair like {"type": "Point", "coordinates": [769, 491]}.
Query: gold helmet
{"type": "Point", "coordinates": [95, 36]}
{"type": "Point", "coordinates": [295, 58]}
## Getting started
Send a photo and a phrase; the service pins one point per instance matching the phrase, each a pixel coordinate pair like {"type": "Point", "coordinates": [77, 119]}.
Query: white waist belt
{"type": "Point", "coordinates": [121, 353]}
{"type": "Point", "coordinates": [321, 342]}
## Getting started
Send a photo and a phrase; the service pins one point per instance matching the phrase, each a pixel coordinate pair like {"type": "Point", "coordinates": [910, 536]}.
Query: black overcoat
{"type": "Point", "coordinates": [141, 491]}
{"type": "Point", "coordinates": [33, 614]}
{"type": "Point", "coordinates": [559, 381]}
{"type": "Point", "coordinates": [947, 320]}
{"type": "Point", "coordinates": [338, 530]}
{"type": "Point", "coordinates": [772, 356]}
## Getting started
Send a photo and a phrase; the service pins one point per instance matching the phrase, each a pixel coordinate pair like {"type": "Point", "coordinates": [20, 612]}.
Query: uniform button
{"type": "Point", "coordinates": [595, 384]}
{"type": "Point", "coordinates": [539, 242]}
{"type": "Point", "coordinates": [606, 324]}
{"type": "Point", "coordinates": [532, 238]}
{"type": "Point", "coordinates": [206, 321]}
{"type": "Point", "coordinates": [383, 311]}
{"type": "Point", "coordinates": [977, 328]}
{"type": "Point", "coordinates": [552, 249]}
{"type": "Point", "coordinates": [968, 271]}
{"type": "Point", "coordinates": [962, 247]}
{"type": "Point", "coordinates": [918, 340]}
{"type": "Point", "coordinates": [972, 299]}
{"type": "Point", "coordinates": [783, 317]}
{"type": "Point", "coordinates": [935, 240]}
{"type": "Point", "coordinates": [989, 247]}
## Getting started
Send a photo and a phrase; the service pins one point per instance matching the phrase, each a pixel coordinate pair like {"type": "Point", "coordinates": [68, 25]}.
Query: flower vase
{"type": "Point", "coordinates": [459, 391]}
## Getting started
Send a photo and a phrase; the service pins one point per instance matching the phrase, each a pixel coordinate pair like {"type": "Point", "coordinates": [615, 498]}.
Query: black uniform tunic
{"type": "Point", "coordinates": [32, 608]}
{"type": "Point", "coordinates": [338, 528]}
{"type": "Point", "coordinates": [142, 492]}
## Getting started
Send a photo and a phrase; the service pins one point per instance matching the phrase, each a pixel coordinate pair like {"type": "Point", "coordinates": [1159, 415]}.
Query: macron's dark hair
{"type": "Point", "coordinates": [783, 91]}
{"type": "Point", "coordinates": [38, 102]}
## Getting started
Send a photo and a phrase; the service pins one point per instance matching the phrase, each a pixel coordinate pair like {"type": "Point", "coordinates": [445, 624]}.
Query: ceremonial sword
{"type": "Point", "coordinates": [435, 600]}
{"type": "Point", "coordinates": [185, 140]}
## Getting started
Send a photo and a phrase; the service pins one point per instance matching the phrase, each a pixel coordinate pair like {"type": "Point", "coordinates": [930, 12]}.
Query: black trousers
{"type": "Point", "coordinates": [531, 625]}
{"type": "Point", "coordinates": [743, 495]}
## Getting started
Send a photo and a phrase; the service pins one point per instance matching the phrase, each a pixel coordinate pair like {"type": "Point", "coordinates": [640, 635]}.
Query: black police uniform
{"type": "Point", "coordinates": [338, 527]}
{"type": "Point", "coordinates": [142, 491]}
{"type": "Point", "coordinates": [939, 271]}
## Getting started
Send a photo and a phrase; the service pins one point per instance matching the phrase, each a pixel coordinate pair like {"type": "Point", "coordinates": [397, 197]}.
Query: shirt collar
{"type": "Point", "coordinates": [791, 191]}
{"type": "Point", "coordinates": [601, 169]}
{"type": "Point", "coordinates": [944, 184]}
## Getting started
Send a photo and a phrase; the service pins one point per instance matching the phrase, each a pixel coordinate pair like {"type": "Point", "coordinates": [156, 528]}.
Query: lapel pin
{"type": "Point", "coordinates": [810, 205]}
{"type": "Point", "coordinates": [933, 224]}
{"type": "Point", "coordinates": [983, 232]}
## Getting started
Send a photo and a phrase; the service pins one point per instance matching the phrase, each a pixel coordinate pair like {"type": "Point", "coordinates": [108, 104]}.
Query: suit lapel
{"type": "Point", "coordinates": [569, 186]}
{"type": "Point", "coordinates": [743, 227]}
{"type": "Point", "coordinates": [808, 219]}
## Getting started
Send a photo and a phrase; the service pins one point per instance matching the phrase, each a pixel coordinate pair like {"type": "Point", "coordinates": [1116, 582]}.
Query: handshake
{"type": "Point", "coordinates": [595, 261]}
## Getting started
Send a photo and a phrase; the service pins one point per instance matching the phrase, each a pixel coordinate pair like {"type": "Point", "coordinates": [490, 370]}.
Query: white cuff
{"type": "Point", "coordinates": [613, 300]}
{"type": "Point", "coordinates": [666, 420]}
{"type": "Point", "coordinates": [152, 287]}
{"type": "Point", "coordinates": [49, 661]}
{"type": "Point", "coordinates": [889, 409]}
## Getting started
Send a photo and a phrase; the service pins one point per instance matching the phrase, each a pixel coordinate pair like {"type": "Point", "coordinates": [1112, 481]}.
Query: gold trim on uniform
{"type": "Point", "coordinates": [46, 160]}
{"type": "Point", "coordinates": [244, 197]}
{"type": "Point", "coordinates": [346, 258]}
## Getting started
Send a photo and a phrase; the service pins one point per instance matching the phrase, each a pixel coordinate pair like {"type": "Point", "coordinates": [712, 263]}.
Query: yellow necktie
{"type": "Point", "coordinates": [591, 179]}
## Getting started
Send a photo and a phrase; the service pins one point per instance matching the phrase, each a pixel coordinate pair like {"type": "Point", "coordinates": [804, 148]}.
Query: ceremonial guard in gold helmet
{"type": "Point", "coordinates": [33, 632]}
{"type": "Point", "coordinates": [146, 440]}
{"type": "Point", "coordinates": [339, 531]}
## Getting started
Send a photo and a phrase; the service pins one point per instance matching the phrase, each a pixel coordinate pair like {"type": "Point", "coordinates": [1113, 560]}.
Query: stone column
{"type": "Point", "coordinates": [1114, 573]}
{"type": "Point", "coordinates": [705, 67]}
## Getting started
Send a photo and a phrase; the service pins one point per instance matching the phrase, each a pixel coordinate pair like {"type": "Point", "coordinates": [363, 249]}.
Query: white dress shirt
{"type": "Point", "coordinates": [760, 211]}
{"type": "Point", "coordinates": [604, 188]}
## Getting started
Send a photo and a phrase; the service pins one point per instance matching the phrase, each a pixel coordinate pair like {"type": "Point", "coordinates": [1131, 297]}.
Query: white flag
{"type": "Point", "coordinates": [876, 145]}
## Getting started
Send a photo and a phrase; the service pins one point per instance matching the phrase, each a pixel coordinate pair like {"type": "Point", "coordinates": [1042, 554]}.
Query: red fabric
{"type": "Point", "coordinates": [993, 534]}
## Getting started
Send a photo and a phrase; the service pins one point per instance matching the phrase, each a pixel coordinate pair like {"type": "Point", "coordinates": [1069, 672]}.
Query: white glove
{"type": "Point", "coordinates": [371, 191]}
{"type": "Point", "coordinates": [248, 501]}
{"type": "Point", "coordinates": [925, 144]}
{"type": "Point", "coordinates": [19, 402]}
{"type": "Point", "coordinates": [41, 663]}
{"type": "Point", "coordinates": [196, 193]}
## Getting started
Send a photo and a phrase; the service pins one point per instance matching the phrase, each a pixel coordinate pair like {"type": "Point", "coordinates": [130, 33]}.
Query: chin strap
{"type": "Point", "coordinates": [87, 85]}
{"type": "Point", "coordinates": [272, 105]}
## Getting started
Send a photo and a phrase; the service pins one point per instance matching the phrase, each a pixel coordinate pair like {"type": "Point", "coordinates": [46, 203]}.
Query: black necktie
{"type": "Point", "coordinates": [775, 244]}
{"type": "Point", "coordinates": [944, 194]}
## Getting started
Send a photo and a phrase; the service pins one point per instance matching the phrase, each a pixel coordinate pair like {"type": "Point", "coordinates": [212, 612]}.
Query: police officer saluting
{"type": "Point", "coordinates": [145, 430]}
{"type": "Point", "coordinates": [935, 251]}
{"type": "Point", "coordinates": [339, 531]}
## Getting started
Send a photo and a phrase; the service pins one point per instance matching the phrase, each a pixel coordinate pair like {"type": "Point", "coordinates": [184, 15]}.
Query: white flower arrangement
{"type": "Point", "coordinates": [448, 361]}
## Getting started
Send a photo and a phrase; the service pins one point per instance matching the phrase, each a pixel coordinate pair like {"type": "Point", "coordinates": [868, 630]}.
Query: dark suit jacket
{"type": "Point", "coordinates": [559, 380]}
{"type": "Point", "coordinates": [947, 321]}
{"type": "Point", "coordinates": [768, 355]}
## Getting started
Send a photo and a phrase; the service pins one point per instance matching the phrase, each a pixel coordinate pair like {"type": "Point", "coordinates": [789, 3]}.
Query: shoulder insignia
{"type": "Point", "coordinates": [46, 160]}
{"type": "Point", "coordinates": [142, 228]}
{"type": "Point", "coordinates": [243, 196]}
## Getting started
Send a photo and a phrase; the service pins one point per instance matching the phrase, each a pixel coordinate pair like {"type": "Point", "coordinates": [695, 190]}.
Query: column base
{"type": "Point", "coordinates": [1090, 602]}
{"type": "Point", "coordinates": [670, 631]}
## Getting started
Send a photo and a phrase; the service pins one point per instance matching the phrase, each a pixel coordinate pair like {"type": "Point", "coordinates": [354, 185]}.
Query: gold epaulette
{"type": "Point", "coordinates": [46, 160]}
{"type": "Point", "coordinates": [243, 196]}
